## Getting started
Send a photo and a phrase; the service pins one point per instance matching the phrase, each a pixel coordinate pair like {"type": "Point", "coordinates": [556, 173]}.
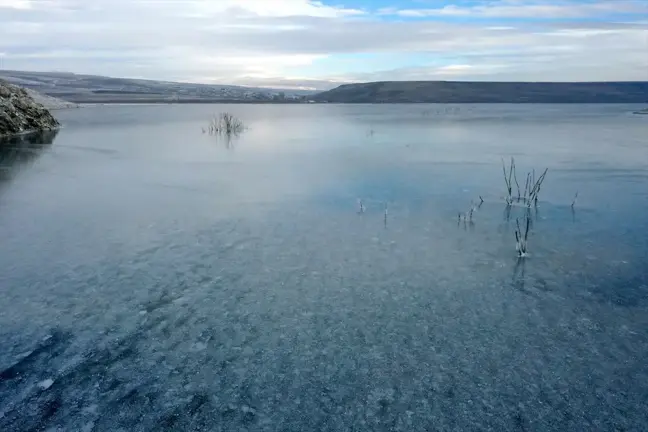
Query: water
{"type": "Point", "coordinates": [153, 277]}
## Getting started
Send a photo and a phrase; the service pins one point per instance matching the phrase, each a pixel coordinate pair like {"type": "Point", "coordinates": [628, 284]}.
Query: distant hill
{"type": "Point", "coordinates": [99, 89]}
{"type": "Point", "coordinates": [486, 92]}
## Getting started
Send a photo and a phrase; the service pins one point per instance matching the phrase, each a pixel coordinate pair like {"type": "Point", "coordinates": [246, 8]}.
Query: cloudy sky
{"type": "Point", "coordinates": [319, 44]}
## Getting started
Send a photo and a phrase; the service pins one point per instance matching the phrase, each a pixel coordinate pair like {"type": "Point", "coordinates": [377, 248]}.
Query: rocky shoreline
{"type": "Point", "coordinates": [21, 114]}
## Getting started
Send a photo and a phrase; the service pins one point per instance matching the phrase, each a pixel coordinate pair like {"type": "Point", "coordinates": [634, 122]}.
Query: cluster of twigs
{"type": "Point", "coordinates": [531, 189]}
{"type": "Point", "coordinates": [527, 196]}
{"type": "Point", "coordinates": [468, 216]}
{"type": "Point", "coordinates": [225, 124]}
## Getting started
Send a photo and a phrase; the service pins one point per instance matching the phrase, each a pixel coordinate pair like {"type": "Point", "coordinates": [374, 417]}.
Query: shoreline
{"type": "Point", "coordinates": [180, 102]}
{"type": "Point", "coordinates": [27, 133]}
{"type": "Point", "coordinates": [239, 102]}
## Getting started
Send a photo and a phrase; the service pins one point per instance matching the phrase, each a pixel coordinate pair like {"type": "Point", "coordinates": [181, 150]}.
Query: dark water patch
{"type": "Point", "coordinates": [18, 152]}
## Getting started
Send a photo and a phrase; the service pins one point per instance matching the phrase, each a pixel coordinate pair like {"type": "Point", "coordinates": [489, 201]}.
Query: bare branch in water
{"type": "Point", "coordinates": [515, 178]}
{"type": "Point", "coordinates": [508, 179]}
{"type": "Point", "coordinates": [511, 169]}
{"type": "Point", "coordinates": [520, 239]}
{"type": "Point", "coordinates": [575, 199]}
{"type": "Point", "coordinates": [538, 184]}
{"type": "Point", "coordinates": [535, 190]}
{"type": "Point", "coordinates": [386, 209]}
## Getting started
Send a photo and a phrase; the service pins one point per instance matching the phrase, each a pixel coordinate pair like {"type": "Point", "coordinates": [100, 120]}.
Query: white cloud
{"type": "Point", "coordinates": [287, 43]}
{"type": "Point", "coordinates": [265, 8]}
{"type": "Point", "coordinates": [508, 9]}
{"type": "Point", "coordinates": [456, 68]}
{"type": "Point", "coordinates": [15, 4]}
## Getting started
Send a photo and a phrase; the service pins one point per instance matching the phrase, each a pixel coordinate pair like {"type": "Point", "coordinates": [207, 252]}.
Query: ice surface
{"type": "Point", "coordinates": [157, 280]}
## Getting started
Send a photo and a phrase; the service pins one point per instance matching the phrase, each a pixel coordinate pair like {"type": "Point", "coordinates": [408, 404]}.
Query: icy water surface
{"type": "Point", "coordinates": [155, 278]}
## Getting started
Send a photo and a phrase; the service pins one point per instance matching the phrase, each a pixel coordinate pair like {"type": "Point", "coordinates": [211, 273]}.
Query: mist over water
{"type": "Point", "coordinates": [153, 277]}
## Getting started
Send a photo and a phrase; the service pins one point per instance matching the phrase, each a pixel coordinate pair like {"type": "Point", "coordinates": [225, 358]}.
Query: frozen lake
{"type": "Point", "coordinates": [153, 277]}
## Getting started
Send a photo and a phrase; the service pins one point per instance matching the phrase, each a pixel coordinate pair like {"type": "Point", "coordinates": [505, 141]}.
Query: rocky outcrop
{"type": "Point", "coordinates": [19, 113]}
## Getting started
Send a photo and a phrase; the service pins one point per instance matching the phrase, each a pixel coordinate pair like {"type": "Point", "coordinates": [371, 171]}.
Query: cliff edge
{"type": "Point", "coordinates": [20, 113]}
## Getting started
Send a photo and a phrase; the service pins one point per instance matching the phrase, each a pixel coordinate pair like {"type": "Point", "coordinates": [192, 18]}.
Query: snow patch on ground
{"type": "Point", "coordinates": [50, 102]}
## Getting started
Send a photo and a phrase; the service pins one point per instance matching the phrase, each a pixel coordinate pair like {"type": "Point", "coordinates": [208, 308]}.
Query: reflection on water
{"type": "Point", "coordinates": [320, 277]}
{"type": "Point", "coordinates": [19, 151]}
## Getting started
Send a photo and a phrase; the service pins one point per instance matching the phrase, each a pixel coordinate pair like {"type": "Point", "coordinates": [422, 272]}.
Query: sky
{"type": "Point", "coordinates": [321, 44]}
